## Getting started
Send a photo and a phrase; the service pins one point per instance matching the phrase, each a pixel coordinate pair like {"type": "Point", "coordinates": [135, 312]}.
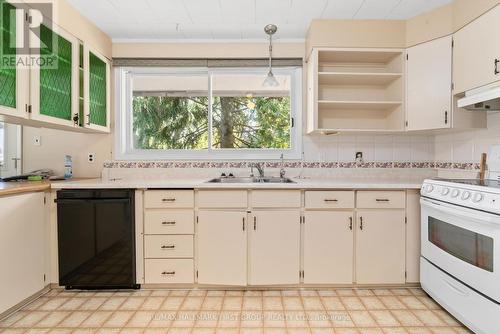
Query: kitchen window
{"type": "Point", "coordinates": [208, 113]}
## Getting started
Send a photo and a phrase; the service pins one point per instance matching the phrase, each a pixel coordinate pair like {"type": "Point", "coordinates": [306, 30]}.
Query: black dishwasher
{"type": "Point", "coordinates": [96, 238]}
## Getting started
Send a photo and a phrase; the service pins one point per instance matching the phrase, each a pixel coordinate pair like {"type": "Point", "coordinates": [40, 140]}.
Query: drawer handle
{"type": "Point", "coordinates": [168, 223]}
{"type": "Point", "coordinates": [168, 273]}
{"type": "Point", "coordinates": [331, 200]}
{"type": "Point", "coordinates": [383, 200]}
{"type": "Point", "coordinates": [361, 223]}
{"type": "Point", "coordinates": [350, 223]}
{"type": "Point", "coordinates": [168, 199]}
{"type": "Point", "coordinates": [168, 247]}
{"type": "Point", "coordinates": [496, 66]}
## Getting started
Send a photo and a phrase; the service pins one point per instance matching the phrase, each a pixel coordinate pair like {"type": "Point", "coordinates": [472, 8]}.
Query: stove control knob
{"type": "Point", "coordinates": [466, 195]}
{"type": "Point", "coordinates": [455, 193]}
{"type": "Point", "coordinates": [445, 191]}
{"type": "Point", "coordinates": [478, 197]}
{"type": "Point", "coordinates": [429, 188]}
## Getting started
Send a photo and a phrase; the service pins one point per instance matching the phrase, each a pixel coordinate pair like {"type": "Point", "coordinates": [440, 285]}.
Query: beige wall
{"type": "Point", "coordinates": [55, 144]}
{"type": "Point", "coordinates": [445, 20]}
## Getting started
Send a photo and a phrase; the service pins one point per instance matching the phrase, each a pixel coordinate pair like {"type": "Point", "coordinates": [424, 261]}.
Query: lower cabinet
{"type": "Point", "coordinates": [274, 247]}
{"type": "Point", "coordinates": [222, 247]}
{"type": "Point", "coordinates": [328, 247]}
{"type": "Point", "coordinates": [22, 247]}
{"type": "Point", "coordinates": [380, 246]}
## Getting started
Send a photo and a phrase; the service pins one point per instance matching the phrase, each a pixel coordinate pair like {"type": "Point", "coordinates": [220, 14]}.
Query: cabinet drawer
{"type": "Point", "coordinates": [169, 222]}
{"type": "Point", "coordinates": [276, 198]}
{"type": "Point", "coordinates": [329, 199]}
{"type": "Point", "coordinates": [222, 199]}
{"type": "Point", "coordinates": [168, 246]}
{"type": "Point", "coordinates": [169, 199]}
{"type": "Point", "coordinates": [159, 271]}
{"type": "Point", "coordinates": [380, 199]}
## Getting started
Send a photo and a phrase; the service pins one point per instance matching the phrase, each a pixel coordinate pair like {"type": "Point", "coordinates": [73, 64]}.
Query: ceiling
{"type": "Point", "coordinates": [234, 19]}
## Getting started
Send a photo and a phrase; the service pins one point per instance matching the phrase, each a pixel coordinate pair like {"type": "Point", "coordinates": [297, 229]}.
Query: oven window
{"type": "Point", "coordinates": [466, 245]}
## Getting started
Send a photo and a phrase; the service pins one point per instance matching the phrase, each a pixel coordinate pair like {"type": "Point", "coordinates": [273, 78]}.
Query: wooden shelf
{"type": "Point", "coordinates": [357, 90]}
{"type": "Point", "coordinates": [361, 105]}
{"type": "Point", "coordinates": [357, 79]}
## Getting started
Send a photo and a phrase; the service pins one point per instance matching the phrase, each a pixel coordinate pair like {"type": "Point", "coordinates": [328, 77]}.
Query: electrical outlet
{"type": "Point", "coordinates": [91, 158]}
{"type": "Point", "coordinates": [37, 140]}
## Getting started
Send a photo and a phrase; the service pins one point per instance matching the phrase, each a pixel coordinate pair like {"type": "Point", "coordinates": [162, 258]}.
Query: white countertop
{"type": "Point", "coordinates": [197, 183]}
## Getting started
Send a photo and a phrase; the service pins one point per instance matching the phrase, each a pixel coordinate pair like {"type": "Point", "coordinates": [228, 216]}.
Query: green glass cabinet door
{"type": "Point", "coordinates": [13, 79]}
{"type": "Point", "coordinates": [54, 84]}
{"type": "Point", "coordinates": [97, 91]}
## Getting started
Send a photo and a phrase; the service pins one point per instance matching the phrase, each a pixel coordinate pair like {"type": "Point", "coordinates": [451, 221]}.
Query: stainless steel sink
{"type": "Point", "coordinates": [251, 180]}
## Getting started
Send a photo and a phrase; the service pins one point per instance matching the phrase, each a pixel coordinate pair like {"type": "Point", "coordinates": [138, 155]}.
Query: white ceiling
{"type": "Point", "coordinates": [234, 19]}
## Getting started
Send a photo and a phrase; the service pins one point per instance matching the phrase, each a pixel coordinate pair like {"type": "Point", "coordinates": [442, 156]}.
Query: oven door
{"type": "Point", "coordinates": [463, 242]}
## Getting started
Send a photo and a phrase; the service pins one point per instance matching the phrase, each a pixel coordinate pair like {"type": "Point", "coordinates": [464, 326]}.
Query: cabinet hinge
{"type": "Point", "coordinates": [196, 273]}
{"type": "Point", "coordinates": [303, 219]}
{"type": "Point", "coordinates": [29, 109]}
{"type": "Point", "coordinates": [406, 275]}
{"type": "Point", "coordinates": [44, 277]}
{"type": "Point", "coordinates": [406, 56]}
{"type": "Point", "coordinates": [197, 219]}
{"type": "Point", "coordinates": [44, 200]}
{"type": "Point", "coordinates": [452, 43]}
{"type": "Point", "coordinates": [452, 86]}
{"type": "Point", "coordinates": [406, 123]}
{"type": "Point", "coordinates": [406, 220]}
{"type": "Point", "coordinates": [293, 122]}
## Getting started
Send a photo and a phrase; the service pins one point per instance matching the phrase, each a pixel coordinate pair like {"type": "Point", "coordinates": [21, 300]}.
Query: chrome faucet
{"type": "Point", "coordinates": [260, 168]}
{"type": "Point", "coordinates": [282, 170]}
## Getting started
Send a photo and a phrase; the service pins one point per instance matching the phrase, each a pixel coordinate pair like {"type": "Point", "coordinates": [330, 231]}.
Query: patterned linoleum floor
{"type": "Point", "coordinates": [332, 311]}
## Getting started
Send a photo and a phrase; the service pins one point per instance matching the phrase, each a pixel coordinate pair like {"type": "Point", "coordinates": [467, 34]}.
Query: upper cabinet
{"type": "Point", "coordinates": [428, 77]}
{"type": "Point", "coordinates": [353, 89]}
{"type": "Point", "coordinates": [54, 84]}
{"type": "Point", "coordinates": [13, 79]}
{"type": "Point", "coordinates": [68, 87]}
{"type": "Point", "coordinates": [476, 54]}
{"type": "Point", "coordinates": [96, 89]}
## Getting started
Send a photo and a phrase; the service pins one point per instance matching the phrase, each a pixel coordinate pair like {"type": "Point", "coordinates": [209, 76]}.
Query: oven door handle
{"type": "Point", "coordinates": [462, 212]}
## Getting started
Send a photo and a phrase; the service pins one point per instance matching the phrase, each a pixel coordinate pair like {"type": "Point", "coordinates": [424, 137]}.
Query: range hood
{"type": "Point", "coordinates": [485, 98]}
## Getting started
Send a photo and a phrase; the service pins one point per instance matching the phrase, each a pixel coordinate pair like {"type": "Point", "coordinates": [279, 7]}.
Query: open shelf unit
{"type": "Point", "coordinates": [356, 90]}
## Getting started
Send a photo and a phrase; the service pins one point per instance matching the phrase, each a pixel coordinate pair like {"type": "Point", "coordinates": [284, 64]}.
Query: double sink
{"type": "Point", "coordinates": [226, 179]}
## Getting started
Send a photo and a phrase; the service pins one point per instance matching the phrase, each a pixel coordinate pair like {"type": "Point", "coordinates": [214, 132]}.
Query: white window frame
{"type": "Point", "coordinates": [123, 118]}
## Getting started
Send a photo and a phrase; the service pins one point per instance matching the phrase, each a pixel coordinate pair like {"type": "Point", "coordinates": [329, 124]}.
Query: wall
{"type": "Point", "coordinates": [467, 146]}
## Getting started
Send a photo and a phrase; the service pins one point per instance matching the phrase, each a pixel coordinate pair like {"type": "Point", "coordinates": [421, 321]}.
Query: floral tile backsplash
{"type": "Point", "coordinates": [291, 164]}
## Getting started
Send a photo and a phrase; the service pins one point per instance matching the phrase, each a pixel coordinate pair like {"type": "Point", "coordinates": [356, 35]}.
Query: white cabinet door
{"type": "Point", "coordinates": [475, 51]}
{"type": "Point", "coordinates": [14, 79]}
{"type": "Point", "coordinates": [429, 85]}
{"type": "Point", "coordinates": [328, 247]}
{"type": "Point", "coordinates": [274, 247]}
{"type": "Point", "coordinates": [380, 247]}
{"type": "Point", "coordinates": [22, 248]}
{"type": "Point", "coordinates": [222, 247]}
{"type": "Point", "coordinates": [413, 236]}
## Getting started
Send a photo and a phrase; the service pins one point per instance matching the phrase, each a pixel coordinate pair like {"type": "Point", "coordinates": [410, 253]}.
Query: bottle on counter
{"type": "Point", "coordinates": [68, 167]}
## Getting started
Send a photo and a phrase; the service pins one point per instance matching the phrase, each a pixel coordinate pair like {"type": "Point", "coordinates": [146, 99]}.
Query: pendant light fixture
{"type": "Point", "coordinates": [270, 81]}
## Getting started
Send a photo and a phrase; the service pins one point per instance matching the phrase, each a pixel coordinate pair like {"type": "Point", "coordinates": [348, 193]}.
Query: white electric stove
{"type": "Point", "coordinates": [460, 247]}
